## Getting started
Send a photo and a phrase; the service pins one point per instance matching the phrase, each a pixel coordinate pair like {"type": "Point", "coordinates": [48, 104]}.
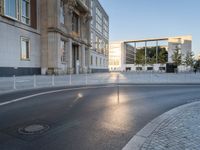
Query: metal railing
{"type": "Point", "coordinates": [40, 81]}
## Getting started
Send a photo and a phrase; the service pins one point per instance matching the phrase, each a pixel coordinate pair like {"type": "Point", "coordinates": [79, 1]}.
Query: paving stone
{"type": "Point", "coordinates": [181, 131]}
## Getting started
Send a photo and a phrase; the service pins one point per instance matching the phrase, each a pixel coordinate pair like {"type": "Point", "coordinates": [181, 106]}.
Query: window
{"type": "Point", "coordinates": [18, 9]}
{"type": "Point", "coordinates": [98, 20]}
{"type": "Point", "coordinates": [75, 23]}
{"type": "Point", "coordinates": [25, 11]}
{"type": "Point", "coordinates": [105, 28]}
{"type": "Point", "coordinates": [96, 61]}
{"type": "Point", "coordinates": [25, 48]}
{"type": "Point", "coordinates": [62, 18]}
{"type": "Point", "coordinates": [92, 40]}
{"type": "Point", "coordinates": [11, 8]}
{"type": "Point", "coordinates": [63, 52]}
{"type": "Point", "coordinates": [91, 10]}
{"type": "Point", "coordinates": [91, 60]}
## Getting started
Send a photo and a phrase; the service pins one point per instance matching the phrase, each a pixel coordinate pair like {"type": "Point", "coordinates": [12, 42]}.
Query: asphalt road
{"type": "Point", "coordinates": [86, 119]}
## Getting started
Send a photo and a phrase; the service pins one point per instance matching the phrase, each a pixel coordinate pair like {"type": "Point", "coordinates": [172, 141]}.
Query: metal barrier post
{"type": "Point", "coordinates": [53, 80]}
{"type": "Point", "coordinates": [86, 79]}
{"type": "Point", "coordinates": [34, 81]}
{"type": "Point", "coordinates": [118, 98]}
{"type": "Point", "coordinates": [14, 82]}
{"type": "Point", "coordinates": [70, 79]}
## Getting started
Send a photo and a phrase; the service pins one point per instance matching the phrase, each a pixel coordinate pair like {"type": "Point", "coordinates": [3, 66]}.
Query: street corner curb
{"type": "Point", "coordinates": [137, 141]}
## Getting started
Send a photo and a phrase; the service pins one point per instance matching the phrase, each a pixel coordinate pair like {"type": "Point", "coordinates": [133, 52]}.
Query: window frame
{"type": "Point", "coordinates": [16, 10]}
{"type": "Point", "coordinates": [63, 53]}
{"type": "Point", "coordinates": [21, 12]}
{"type": "Point", "coordinates": [62, 13]}
{"type": "Point", "coordinates": [75, 23]}
{"type": "Point", "coordinates": [22, 38]}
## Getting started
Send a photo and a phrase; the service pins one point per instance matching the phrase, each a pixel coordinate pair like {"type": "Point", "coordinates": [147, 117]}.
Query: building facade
{"type": "Point", "coordinates": [99, 38]}
{"type": "Point", "coordinates": [123, 54]}
{"type": "Point", "coordinates": [52, 37]}
{"type": "Point", "coordinates": [65, 36]}
{"type": "Point", "coordinates": [20, 37]}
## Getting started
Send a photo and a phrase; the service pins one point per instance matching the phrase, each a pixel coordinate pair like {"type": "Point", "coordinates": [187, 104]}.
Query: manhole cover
{"type": "Point", "coordinates": [33, 129]}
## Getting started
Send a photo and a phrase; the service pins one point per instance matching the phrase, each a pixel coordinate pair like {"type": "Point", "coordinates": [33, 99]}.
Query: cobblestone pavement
{"type": "Point", "coordinates": [178, 130]}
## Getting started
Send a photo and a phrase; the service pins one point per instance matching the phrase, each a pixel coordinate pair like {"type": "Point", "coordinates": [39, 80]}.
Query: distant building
{"type": "Point", "coordinates": [99, 38]}
{"type": "Point", "coordinates": [123, 54]}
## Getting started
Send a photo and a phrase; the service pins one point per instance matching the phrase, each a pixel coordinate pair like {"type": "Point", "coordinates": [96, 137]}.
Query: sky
{"type": "Point", "coordinates": [138, 19]}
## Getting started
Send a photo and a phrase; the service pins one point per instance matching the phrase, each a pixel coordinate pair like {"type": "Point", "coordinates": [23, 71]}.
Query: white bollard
{"type": "Point", "coordinates": [14, 82]}
{"type": "Point", "coordinates": [53, 80]}
{"type": "Point", "coordinates": [151, 77]}
{"type": "Point", "coordinates": [70, 79]}
{"type": "Point", "coordinates": [167, 77]}
{"type": "Point", "coordinates": [118, 79]}
{"type": "Point", "coordinates": [34, 81]}
{"type": "Point", "coordinates": [86, 79]}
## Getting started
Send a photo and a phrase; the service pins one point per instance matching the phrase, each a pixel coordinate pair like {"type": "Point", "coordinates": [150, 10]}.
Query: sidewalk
{"type": "Point", "coordinates": [178, 129]}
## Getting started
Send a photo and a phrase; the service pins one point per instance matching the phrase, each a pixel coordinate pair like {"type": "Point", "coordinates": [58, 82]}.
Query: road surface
{"type": "Point", "coordinates": [85, 118]}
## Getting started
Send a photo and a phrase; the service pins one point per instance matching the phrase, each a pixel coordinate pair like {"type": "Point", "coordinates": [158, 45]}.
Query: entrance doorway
{"type": "Point", "coordinates": [75, 58]}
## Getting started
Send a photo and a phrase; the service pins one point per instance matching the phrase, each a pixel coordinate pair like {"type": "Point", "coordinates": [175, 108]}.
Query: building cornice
{"type": "Point", "coordinates": [76, 39]}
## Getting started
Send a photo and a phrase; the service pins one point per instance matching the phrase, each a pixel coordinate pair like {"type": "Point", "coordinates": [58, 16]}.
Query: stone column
{"type": "Point", "coordinates": [135, 51]}
{"type": "Point", "coordinates": [69, 56]}
{"type": "Point", "coordinates": [53, 52]}
{"type": "Point", "coordinates": [156, 52]}
{"type": "Point", "coordinates": [145, 53]}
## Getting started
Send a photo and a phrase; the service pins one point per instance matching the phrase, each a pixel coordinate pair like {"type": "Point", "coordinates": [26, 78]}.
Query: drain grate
{"type": "Point", "coordinates": [33, 129]}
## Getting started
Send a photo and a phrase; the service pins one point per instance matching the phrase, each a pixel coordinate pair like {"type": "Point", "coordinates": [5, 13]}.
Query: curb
{"type": "Point", "coordinates": [137, 141]}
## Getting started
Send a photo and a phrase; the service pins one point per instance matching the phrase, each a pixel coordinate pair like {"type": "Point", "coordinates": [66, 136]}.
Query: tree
{"type": "Point", "coordinates": [177, 57]}
{"type": "Point", "coordinates": [197, 64]}
{"type": "Point", "coordinates": [189, 59]}
{"type": "Point", "coordinates": [151, 60]}
{"type": "Point", "coordinates": [162, 56]}
{"type": "Point", "coordinates": [140, 58]}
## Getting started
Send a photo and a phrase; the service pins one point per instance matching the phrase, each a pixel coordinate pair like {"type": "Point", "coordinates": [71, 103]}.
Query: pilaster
{"type": "Point", "coordinates": [69, 56]}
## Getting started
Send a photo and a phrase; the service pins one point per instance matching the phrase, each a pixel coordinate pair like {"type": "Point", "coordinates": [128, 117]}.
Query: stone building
{"type": "Point", "coordinates": [19, 37]}
{"type": "Point", "coordinates": [65, 36]}
{"type": "Point", "coordinates": [50, 36]}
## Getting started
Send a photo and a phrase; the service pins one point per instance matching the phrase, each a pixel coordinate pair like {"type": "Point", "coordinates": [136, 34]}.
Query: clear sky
{"type": "Point", "coordinates": [136, 19]}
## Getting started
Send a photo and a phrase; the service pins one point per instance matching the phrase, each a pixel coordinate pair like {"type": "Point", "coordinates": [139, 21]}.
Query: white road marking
{"type": "Point", "coordinates": [80, 88]}
{"type": "Point", "coordinates": [50, 92]}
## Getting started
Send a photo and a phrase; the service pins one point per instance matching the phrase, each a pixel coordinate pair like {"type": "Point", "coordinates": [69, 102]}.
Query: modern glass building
{"type": "Point", "coordinates": [147, 54]}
